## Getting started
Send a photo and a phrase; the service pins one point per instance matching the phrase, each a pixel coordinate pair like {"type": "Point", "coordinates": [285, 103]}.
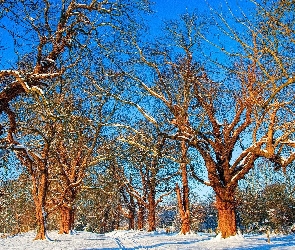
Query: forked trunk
{"type": "Point", "coordinates": [66, 219]}
{"type": "Point", "coordinates": [226, 216]}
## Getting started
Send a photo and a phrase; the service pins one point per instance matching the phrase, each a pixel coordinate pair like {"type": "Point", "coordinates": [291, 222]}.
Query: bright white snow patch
{"type": "Point", "coordinates": [38, 90]}
{"type": "Point", "coordinates": [143, 240]}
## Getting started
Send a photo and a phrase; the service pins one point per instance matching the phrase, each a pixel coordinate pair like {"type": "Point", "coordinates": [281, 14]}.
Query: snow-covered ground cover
{"type": "Point", "coordinates": [143, 240]}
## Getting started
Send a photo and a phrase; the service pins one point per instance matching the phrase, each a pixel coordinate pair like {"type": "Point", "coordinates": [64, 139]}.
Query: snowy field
{"type": "Point", "coordinates": [130, 240]}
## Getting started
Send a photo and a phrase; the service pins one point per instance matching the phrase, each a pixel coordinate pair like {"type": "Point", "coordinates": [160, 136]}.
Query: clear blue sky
{"type": "Point", "coordinates": [170, 9]}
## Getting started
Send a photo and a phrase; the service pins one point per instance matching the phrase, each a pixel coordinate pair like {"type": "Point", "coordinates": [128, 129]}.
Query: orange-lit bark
{"type": "Point", "coordinates": [140, 216]}
{"type": "Point", "coordinates": [41, 229]}
{"type": "Point", "coordinates": [151, 211]}
{"type": "Point", "coordinates": [184, 214]}
{"type": "Point", "coordinates": [39, 193]}
{"type": "Point", "coordinates": [183, 200]}
{"type": "Point", "coordinates": [66, 219]}
{"type": "Point", "coordinates": [225, 204]}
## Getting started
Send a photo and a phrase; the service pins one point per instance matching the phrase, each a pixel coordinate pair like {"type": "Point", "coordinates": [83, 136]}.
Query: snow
{"type": "Point", "coordinates": [38, 90]}
{"type": "Point", "coordinates": [144, 240]}
{"type": "Point", "coordinates": [50, 60]}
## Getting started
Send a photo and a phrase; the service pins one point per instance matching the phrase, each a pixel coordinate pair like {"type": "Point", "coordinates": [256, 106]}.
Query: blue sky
{"type": "Point", "coordinates": [170, 9]}
{"type": "Point", "coordinates": [164, 10]}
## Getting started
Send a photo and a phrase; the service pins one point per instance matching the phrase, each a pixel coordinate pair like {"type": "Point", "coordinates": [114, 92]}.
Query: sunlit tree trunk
{"type": "Point", "coordinates": [183, 201]}
{"type": "Point", "coordinates": [226, 207]}
{"type": "Point", "coordinates": [66, 219]}
{"type": "Point", "coordinates": [140, 216]}
{"type": "Point", "coordinates": [184, 214]}
{"type": "Point", "coordinates": [41, 228]}
{"type": "Point", "coordinates": [39, 192]}
{"type": "Point", "coordinates": [151, 211]}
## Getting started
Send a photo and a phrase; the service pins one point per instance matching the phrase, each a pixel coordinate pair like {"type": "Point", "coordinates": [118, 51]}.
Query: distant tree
{"type": "Point", "coordinates": [17, 206]}
{"type": "Point", "coordinates": [98, 203]}
{"type": "Point", "coordinates": [265, 200]}
{"type": "Point", "coordinates": [151, 169]}
{"type": "Point", "coordinates": [79, 144]}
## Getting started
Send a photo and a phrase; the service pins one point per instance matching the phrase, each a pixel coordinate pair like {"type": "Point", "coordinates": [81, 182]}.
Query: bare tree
{"type": "Point", "coordinates": [32, 148]}
{"type": "Point", "coordinates": [151, 169]}
{"type": "Point", "coordinates": [55, 44]}
{"type": "Point", "coordinates": [225, 117]}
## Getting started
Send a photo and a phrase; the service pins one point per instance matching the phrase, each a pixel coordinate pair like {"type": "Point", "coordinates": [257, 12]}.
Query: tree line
{"type": "Point", "coordinates": [95, 109]}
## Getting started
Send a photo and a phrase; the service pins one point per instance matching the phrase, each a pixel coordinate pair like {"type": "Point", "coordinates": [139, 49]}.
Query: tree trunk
{"type": "Point", "coordinates": [151, 212]}
{"type": "Point", "coordinates": [131, 215]}
{"type": "Point", "coordinates": [39, 192]}
{"type": "Point", "coordinates": [140, 217]}
{"type": "Point", "coordinates": [226, 215]}
{"type": "Point", "coordinates": [41, 228]}
{"type": "Point", "coordinates": [183, 201]}
{"type": "Point", "coordinates": [66, 219]}
{"type": "Point", "coordinates": [117, 220]}
{"type": "Point", "coordinates": [184, 214]}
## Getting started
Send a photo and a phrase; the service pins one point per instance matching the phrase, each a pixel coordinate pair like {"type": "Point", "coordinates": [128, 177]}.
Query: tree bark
{"type": "Point", "coordinates": [151, 212]}
{"type": "Point", "coordinates": [184, 214]}
{"type": "Point", "coordinates": [39, 192]}
{"type": "Point", "coordinates": [66, 219]}
{"type": "Point", "coordinates": [129, 201]}
{"type": "Point", "coordinates": [140, 217]}
{"type": "Point", "coordinates": [226, 215]}
{"type": "Point", "coordinates": [183, 202]}
{"type": "Point", "coordinates": [41, 228]}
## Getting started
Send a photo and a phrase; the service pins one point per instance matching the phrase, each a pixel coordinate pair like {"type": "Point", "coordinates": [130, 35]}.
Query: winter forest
{"type": "Point", "coordinates": [111, 119]}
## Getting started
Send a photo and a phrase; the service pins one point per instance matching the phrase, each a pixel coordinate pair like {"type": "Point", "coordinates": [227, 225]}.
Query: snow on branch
{"type": "Point", "coordinates": [138, 107]}
{"type": "Point", "coordinates": [149, 90]}
{"type": "Point", "coordinates": [140, 146]}
{"type": "Point", "coordinates": [199, 179]}
{"type": "Point", "coordinates": [123, 126]}
{"type": "Point", "coordinates": [19, 78]}
{"type": "Point", "coordinates": [97, 160]}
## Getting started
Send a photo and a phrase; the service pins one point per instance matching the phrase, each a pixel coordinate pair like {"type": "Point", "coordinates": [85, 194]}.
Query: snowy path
{"type": "Point", "coordinates": [138, 240]}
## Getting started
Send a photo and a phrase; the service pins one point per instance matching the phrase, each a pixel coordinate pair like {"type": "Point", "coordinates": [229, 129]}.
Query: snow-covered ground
{"type": "Point", "coordinates": [143, 240]}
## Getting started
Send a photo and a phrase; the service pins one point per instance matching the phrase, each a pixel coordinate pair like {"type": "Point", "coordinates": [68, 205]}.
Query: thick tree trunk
{"type": "Point", "coordinates": [226, 215]}
{"type": "Point", "coordinates": [184, 213]}
{"type": "Point", "coordinates": [39, 192]}
{"type": "Point", "coordinates": [41, 228]}
{"type": "Point", "coordinates": [131, 220]}
{"type": "Point", "coordinates": [183, 200]}
{"type": "Point", "coordinates": [66, 219]}
{"type": "Point", "coordinates": [131, 216]}
{"type": "Point", "coordinates": [140, 217]}
{"type": "Point", "coordinates": [151, 212]}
